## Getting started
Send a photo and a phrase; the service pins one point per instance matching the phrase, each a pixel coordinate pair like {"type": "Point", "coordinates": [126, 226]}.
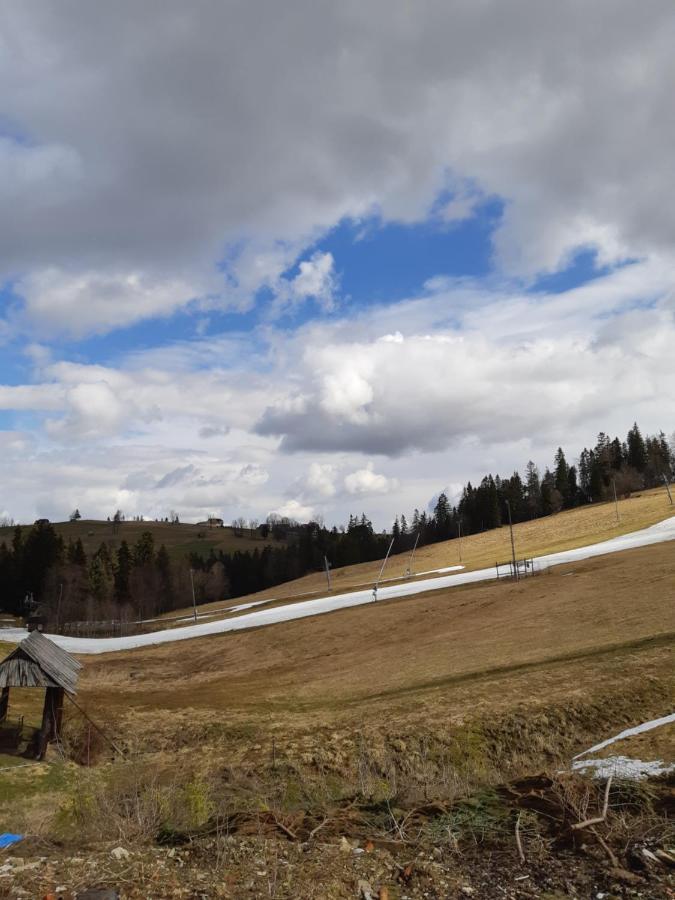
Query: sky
{"type": "Point", "coordinates": [320, 258]}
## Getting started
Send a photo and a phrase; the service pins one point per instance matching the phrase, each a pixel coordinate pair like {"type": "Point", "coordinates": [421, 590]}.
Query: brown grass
{"type": "Point", "coordinates": [400, 653]}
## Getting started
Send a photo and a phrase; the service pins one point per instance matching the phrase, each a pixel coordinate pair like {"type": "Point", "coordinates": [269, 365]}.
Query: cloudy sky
{"type": "Point", "coordinates": [318, 257]}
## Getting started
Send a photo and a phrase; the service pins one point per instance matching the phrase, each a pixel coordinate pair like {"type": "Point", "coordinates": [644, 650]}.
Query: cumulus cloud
{"type": "Point", "coordinates": [255, 148]}
{"type": "Point", "coordinates": [512, 365]}
{"type": "Point", "coordinates": [320, 481]}
{"type": "Point", "coordinates": [293, 509]}
{"type": "Point", "coordinates": [367, 481]}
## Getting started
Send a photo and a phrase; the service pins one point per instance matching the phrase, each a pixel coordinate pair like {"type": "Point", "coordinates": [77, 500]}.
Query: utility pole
{"type": "Point", "coordinates": [412, 555]}
{"type": "Point", "coordinates": [194, 602]}
{"type": "Point", "coordinates": [670, 496]}
{"type": "Point", "coordinates": [513, 544]}
{"type": "Point", "coordinates": [616, 502]}
{"type": "Point", "coordinates": [327, 567]}
{"type": "Point", "coordinates": [459, 535]}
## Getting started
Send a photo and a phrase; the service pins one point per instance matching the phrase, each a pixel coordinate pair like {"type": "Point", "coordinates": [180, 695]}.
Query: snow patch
{"type": "Point", "coordinates": [624, 767]}
{"type": "Point", "coordinates": [629, 732]}
{"type": "Point", "coordinates": [664, 531]}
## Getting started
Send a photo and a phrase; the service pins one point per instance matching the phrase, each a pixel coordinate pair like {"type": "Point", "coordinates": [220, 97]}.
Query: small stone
{"type": "Point", "coordinates": [345, 846]}
{"type": "Point", "coordinates": [365, 891]}
{"type": "Point", "coordinates": [120, 853]}
{"type": "Point", "coordinates": [467, 890]}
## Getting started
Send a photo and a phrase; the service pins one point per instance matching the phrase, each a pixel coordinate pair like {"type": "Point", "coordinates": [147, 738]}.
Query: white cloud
{"type": "Point", "coordinates": [367, 481]}
{"type": "Point", "coordinates": [320, 481]}
{"type": "Point", "coordinates": [84, 303]}
{"type": "Point", "coordinates": [446, 387]}
{"type": "Point", "coordinates": [294, 510]}
{"type": "Point", "coordinates": [253, 474]}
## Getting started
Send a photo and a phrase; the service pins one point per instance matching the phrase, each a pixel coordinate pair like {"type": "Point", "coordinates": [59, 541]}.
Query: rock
{"type": "Point", "coordinates": [364, 890]}
{"type": "Point", "coordinates": [437, 853]}
{"type": "Point", "coordinates": [467, 890]}
{"type": "Point", "coordinates": [345, 846]}
{"type": "Point", "coordinates": [120, 853]}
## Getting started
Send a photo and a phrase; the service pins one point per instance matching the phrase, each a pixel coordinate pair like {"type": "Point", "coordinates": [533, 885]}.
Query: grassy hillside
{"type": "Point", "coordinates": [571, 528]}
{"type": "Point", "coordinates": [395, 650]}
{"type": "Point", "coordinates": [353, 725]}
{"type": "Point", "coordinates": [178, 539]}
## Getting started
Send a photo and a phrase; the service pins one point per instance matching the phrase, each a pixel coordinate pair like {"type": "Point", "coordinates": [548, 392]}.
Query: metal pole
{"type": "Point", "coordinates": [194, 602]}
{"type": "Point", "coordinates": [670, 496]}
{"type": "Point", "coordinates": [327, 567]}
{"type": "Point", "coordinates": [616, 502]}
{"type": "Point", "coordinates": [385, 562]}
{"type": "Point", "coordinates": [513, 545]}
{"type": "Point", "coordinates": [459, 535]}
{"type": "Point", "coordinates": [412, 555]}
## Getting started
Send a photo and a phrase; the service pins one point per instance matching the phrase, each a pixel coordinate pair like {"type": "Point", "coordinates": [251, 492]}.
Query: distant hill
{"type": "Point", "coordinates": [179, 539]}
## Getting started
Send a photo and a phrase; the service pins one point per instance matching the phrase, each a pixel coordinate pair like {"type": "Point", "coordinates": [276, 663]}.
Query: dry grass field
{"type": "Point", "coordinates": [352, 723]}
{"type": "Point", "coordinates": [464, 649]}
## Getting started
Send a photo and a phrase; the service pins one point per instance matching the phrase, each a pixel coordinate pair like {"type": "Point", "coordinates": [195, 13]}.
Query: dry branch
{"type": "Point", "coordinates": [587, 823]}
{"type": "Point", "coordinates": [519, 843]}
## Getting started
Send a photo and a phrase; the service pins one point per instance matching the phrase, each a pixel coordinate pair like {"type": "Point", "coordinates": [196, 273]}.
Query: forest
{"type": "Point", "coordinates": [40, 573]}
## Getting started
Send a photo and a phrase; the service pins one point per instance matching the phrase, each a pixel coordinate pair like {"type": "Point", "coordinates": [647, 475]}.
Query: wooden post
{"type": "Point", "coordinates": [4, 703]}
{"type": "Point", "coordinates": [670, 496]}
{"type": "Point", "coordinates": [52, 717]}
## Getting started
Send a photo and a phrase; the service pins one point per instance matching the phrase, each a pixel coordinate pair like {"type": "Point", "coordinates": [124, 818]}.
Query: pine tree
{"type": "Point", "coordinates": [123, 573]}
{"type": "Point", "coordinates": [76, 554]}
{"type": "Point", "coordinates": [637, 451]}
{"type": "Point", "coordinates": [561, 476]}
{"type": "Point", "coordinates": [532, 490]}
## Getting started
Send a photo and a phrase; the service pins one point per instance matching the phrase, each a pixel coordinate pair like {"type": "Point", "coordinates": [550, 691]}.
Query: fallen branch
{"type": "Point", "coordinates": [605, 846]}
{"type": "Point", "coordinates": [587, 823]}
{"type": "Point", "coordinates": [316, 829]}
{"type": "Point", "coordinates": [519, 843]}
{"type": "Point", "coordinates": [287, 831]}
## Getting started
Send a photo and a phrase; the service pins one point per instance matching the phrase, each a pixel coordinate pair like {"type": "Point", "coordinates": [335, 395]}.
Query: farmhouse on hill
{"type": "Point", "coordinates": [37, 662]}
{"type": "Point", "coordinates": [213, 522]}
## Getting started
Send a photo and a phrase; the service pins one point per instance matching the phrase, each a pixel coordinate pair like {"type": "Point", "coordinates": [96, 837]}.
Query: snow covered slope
{"type": "Point", "coordinates": [664, 531]}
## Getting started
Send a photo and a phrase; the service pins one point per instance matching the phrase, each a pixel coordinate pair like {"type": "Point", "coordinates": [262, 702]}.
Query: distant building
{"type": "Point", "coordinates": [213, 522]}
{"type": "Point", "coordinates": [41, 522]}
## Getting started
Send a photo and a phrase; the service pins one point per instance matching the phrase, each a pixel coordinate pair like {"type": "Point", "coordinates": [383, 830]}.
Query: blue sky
{"type": "Point", "coordinates": [334, 271]}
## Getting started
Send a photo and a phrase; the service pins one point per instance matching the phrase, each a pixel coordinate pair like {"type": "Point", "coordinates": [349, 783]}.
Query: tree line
{"type": "Point", "coordinates": [139, 581]}
{"type": "Point", "coordinates": [611, 465]}
{"type": "Point", "coordinates": [41, 574]}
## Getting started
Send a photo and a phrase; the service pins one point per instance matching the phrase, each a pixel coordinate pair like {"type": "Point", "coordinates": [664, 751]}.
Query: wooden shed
{"type": "Point", "coordinates": [39, 663]}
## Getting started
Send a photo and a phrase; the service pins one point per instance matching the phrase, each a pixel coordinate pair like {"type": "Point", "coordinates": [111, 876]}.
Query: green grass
{"type": "Point", "coordinates": [42, 778]}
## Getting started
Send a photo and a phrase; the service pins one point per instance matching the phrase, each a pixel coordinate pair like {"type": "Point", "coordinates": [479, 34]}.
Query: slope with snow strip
{"type": "Point", "coordinates": [656, 534]}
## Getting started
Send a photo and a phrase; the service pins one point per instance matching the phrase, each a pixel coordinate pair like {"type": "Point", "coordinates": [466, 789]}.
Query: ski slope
{"type": "Point", "coordinates": [655, 534]}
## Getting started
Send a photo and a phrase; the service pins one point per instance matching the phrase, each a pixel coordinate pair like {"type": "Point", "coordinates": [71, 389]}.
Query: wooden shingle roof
{"type": "Point", "coordinates": [39, 662]}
